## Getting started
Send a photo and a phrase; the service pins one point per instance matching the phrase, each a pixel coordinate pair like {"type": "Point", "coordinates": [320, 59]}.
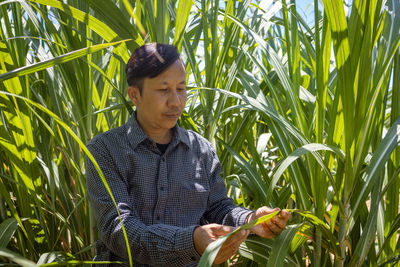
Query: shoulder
{"type": "Point", "coordinates": [111, 138]}
{"type": "Point", "coordinates": [199, 143]}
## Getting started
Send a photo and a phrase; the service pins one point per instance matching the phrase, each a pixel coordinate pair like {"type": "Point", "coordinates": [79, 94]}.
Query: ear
{"type": "Point", "coordinates": [133, 94]}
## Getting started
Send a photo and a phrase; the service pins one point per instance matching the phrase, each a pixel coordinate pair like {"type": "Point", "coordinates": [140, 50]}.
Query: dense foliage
{"type": "Point", "coordinates": [303, 116]}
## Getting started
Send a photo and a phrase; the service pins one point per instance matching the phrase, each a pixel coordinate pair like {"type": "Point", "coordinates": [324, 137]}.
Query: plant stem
{"type": "Point", "coordinates": [339, 262]}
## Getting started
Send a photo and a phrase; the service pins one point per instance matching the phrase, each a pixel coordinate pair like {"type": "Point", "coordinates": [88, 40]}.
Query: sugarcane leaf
{"type": "Point", "coordinates": [281, 246]}
{"type": "Point", "coordinates": [7, 230]}
{"type": "Point", "coordinates": [182, 16]}
{"type": "Point", "coordinates": [80, 263]}
{"type": "Point", "coordinates": [57, 60]}
{"type": "Point", "coordinates": [16, 258]}
{"type": "Point", "coordinates": [85, 150]}
{"type": "Point", "coordinates": [255, 248]}
{"type": "Point", "coordinates": [309, 148]}
{"type": "Point", "coordinates": [250, 171]}
{"type": "Point", "coordinates": [377, 163]}
{"type": "Point", "coordinates": [394, 227]}
{"type": "Point", "coordinates": [213, 248]}
{"type": "Point", "coordinates": [93, 23]}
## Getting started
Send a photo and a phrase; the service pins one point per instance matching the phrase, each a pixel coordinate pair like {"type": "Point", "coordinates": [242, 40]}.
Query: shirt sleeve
{"type": "Point", "coordinates": [157, 244]}
{"type": "Point", "coordinates": [220, 207]}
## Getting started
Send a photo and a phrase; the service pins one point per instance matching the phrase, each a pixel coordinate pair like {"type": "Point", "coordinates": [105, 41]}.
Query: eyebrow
{"type": "Point", "coordinates": [182, 82]}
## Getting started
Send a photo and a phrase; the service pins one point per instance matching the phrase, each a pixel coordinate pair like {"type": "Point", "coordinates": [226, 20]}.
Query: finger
{"type": "Point", "coordinates": [285, 215]}
{"type": "Point", "coordinates": [234, 241]}
{"type": "Point", "coordinates": [234, 247]}
{"type": "Point", "coordinates": [267, 210]}
{"type": "Point", "coordinates": [223, 229]}
{"type": "Point", "coordinates": [269, 231]}
{"type": "Point", "coordinates": [281, 219]}
{"type": "Point", "coordinates": [227, 251]}
{"type": "Point", "coordinates": [274, 227]}
{"type": "Point", "coordinates": [238, 237]}
{"type": "Point", "coordinates": [279, 222]}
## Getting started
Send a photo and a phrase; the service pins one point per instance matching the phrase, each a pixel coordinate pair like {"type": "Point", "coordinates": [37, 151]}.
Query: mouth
{"type": "Point", "coordinates": [172, 115]}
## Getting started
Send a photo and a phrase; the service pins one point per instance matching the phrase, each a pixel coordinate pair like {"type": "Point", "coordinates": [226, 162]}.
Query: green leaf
{"type": "Point", "coordinates": [394, 227]}
{"type": "Point", "coordinates": [182, 16]}
{"type": "Point", "coordinates": [250, 171]}
{"type": "Point", "coordinates": [309, 148]}
{"type": "Point", "coordinates": [255, 247]}
{"type": "Point", "coordinates": [85, 150]}
{"type": "Point", "coordinates": [16, 258]}
{"type": "Point", "coordinates": [377, 163]}
{"type": "Point", "coordinates": [57, 60]}
{"type": "Point", "coordinates": [281, 246]}
{"type": "Point", "coordinates": [7, 230]}
{"type": "Point", "coordinates": [93, 23]}
{"type": "Point", "coordinates": [212, 249]}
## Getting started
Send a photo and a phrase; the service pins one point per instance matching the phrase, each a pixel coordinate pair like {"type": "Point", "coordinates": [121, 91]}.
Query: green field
{"type": "Point", "coordinates": [302, 116]}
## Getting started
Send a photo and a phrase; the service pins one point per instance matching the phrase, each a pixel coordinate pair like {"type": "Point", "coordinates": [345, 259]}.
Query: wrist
{"type": "Point", "coordinates": [249, 218]}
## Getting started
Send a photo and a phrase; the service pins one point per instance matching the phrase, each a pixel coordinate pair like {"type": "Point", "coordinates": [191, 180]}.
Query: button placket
{"type": "Point", "coordinates": [162, 191]}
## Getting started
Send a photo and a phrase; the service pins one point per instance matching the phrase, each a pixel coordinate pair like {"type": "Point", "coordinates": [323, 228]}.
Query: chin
{"type": "Point", "coordinates": [171, 125]}
{"type": "Point", "coordinates": [168, 124]}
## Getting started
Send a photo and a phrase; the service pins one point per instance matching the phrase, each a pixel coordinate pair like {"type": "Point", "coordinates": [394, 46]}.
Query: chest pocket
{"type": "Point", "coordinates": [194, 191]}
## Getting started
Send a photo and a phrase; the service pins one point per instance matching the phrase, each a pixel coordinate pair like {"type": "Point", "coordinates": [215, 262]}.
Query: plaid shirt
{"type": "Point", "coordinates": [161, 197]}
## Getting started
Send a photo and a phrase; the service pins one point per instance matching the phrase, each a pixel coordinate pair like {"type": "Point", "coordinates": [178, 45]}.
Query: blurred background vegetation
{"type": "Point", "coordinates": [303, 115]}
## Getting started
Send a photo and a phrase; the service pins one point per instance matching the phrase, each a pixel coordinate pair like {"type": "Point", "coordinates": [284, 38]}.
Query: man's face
{"type": "Point", "coordinates": [162, 100]}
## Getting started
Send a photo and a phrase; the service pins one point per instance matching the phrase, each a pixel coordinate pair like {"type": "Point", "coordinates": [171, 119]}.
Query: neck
{"type": "Point", "coordinates": [158, 135]}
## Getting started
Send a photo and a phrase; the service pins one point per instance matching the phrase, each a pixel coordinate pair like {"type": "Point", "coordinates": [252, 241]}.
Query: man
{"type": "Point", "coordinates": [165, 179]}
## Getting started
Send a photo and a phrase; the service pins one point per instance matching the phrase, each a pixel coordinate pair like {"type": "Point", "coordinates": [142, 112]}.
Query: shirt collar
{"type": "Point", "coordinates": [136, 135]}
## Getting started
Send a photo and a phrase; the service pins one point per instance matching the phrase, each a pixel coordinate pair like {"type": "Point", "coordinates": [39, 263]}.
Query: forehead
{"type": "Point", "coordinates": [173, 74]}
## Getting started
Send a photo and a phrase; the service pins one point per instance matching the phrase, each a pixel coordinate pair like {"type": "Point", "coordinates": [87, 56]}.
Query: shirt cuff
{"type": "Point", "coordinates": [243, 216]}
{"type": "Point", "coordinates": [185, 246]}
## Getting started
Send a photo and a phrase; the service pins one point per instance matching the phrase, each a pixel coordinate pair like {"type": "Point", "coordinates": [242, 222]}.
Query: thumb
{"type": "Point", "coordinates": [223, 229]}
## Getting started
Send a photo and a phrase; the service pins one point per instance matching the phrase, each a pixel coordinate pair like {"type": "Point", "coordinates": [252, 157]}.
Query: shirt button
{"type": "Point", "coordinates": [163, 158]}
{"type": "Point", "coordinates": [193, 258]}
{"type": "Point", "coordinates": [162, 188]}
{"type": "Point", "coordinates": [158, 218]}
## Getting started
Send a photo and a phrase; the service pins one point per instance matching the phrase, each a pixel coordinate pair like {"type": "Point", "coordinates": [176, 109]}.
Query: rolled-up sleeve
{"type": "Point", "coordinates": [157, 244]}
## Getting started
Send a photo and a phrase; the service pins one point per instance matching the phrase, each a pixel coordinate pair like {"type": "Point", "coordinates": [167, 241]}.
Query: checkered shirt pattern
{"type": "Point", "coordinates": [162, 198]}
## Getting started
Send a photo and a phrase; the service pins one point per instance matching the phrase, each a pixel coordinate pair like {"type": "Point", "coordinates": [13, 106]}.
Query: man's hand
{"type": "Point", "coordinates": [204, 235]}
{"type": "Point", "coordinates": [271, 228]}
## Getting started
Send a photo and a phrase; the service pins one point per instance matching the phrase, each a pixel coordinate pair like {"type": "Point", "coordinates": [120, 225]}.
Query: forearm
{"type": "Point", "coordinates": [158, 244]}
{"type": "Point", "coordinates": [236, 216]}
{"type": "Point", "coordinates": [223, 211]}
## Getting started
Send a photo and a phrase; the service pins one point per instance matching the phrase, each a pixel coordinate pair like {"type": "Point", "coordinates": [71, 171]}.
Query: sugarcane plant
{"type": "Point", "coordinates": [304, 116]}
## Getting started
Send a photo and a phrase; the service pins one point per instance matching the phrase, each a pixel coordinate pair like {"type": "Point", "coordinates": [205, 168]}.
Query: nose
{"type": "Point", "coordinates": [174, 99]}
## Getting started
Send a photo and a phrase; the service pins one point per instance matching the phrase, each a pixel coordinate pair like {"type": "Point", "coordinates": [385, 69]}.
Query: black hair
{"type": "Point", "coordinates": [149, 60]}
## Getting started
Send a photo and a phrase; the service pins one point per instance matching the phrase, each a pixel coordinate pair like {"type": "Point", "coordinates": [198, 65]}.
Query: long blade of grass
{"type": "Point", "coordinates": [394, 227]}
{"type": "Point", "coordinates": [212, 250]}
{"type": "Point", "coordinates": [57, 60]}
{"type": "Point", "coordinates": [92, 23]}
{"type": "Point", "coordinates": [250, 171]}
{"type": "Point", "coordinates": [309, 148]}
{"type": "Point", "coordinates": [182, 16]}
{"type": "Point", "coordinates": [86, 151]}
{"type": "Point", "coordinates": [16, 258]}
{"type": "Point", "coordinates": [281, 246]}
{"type": "Point", "coordinates": [376, 165]}
{"type": "Point", "coordinates": [7, 230]}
